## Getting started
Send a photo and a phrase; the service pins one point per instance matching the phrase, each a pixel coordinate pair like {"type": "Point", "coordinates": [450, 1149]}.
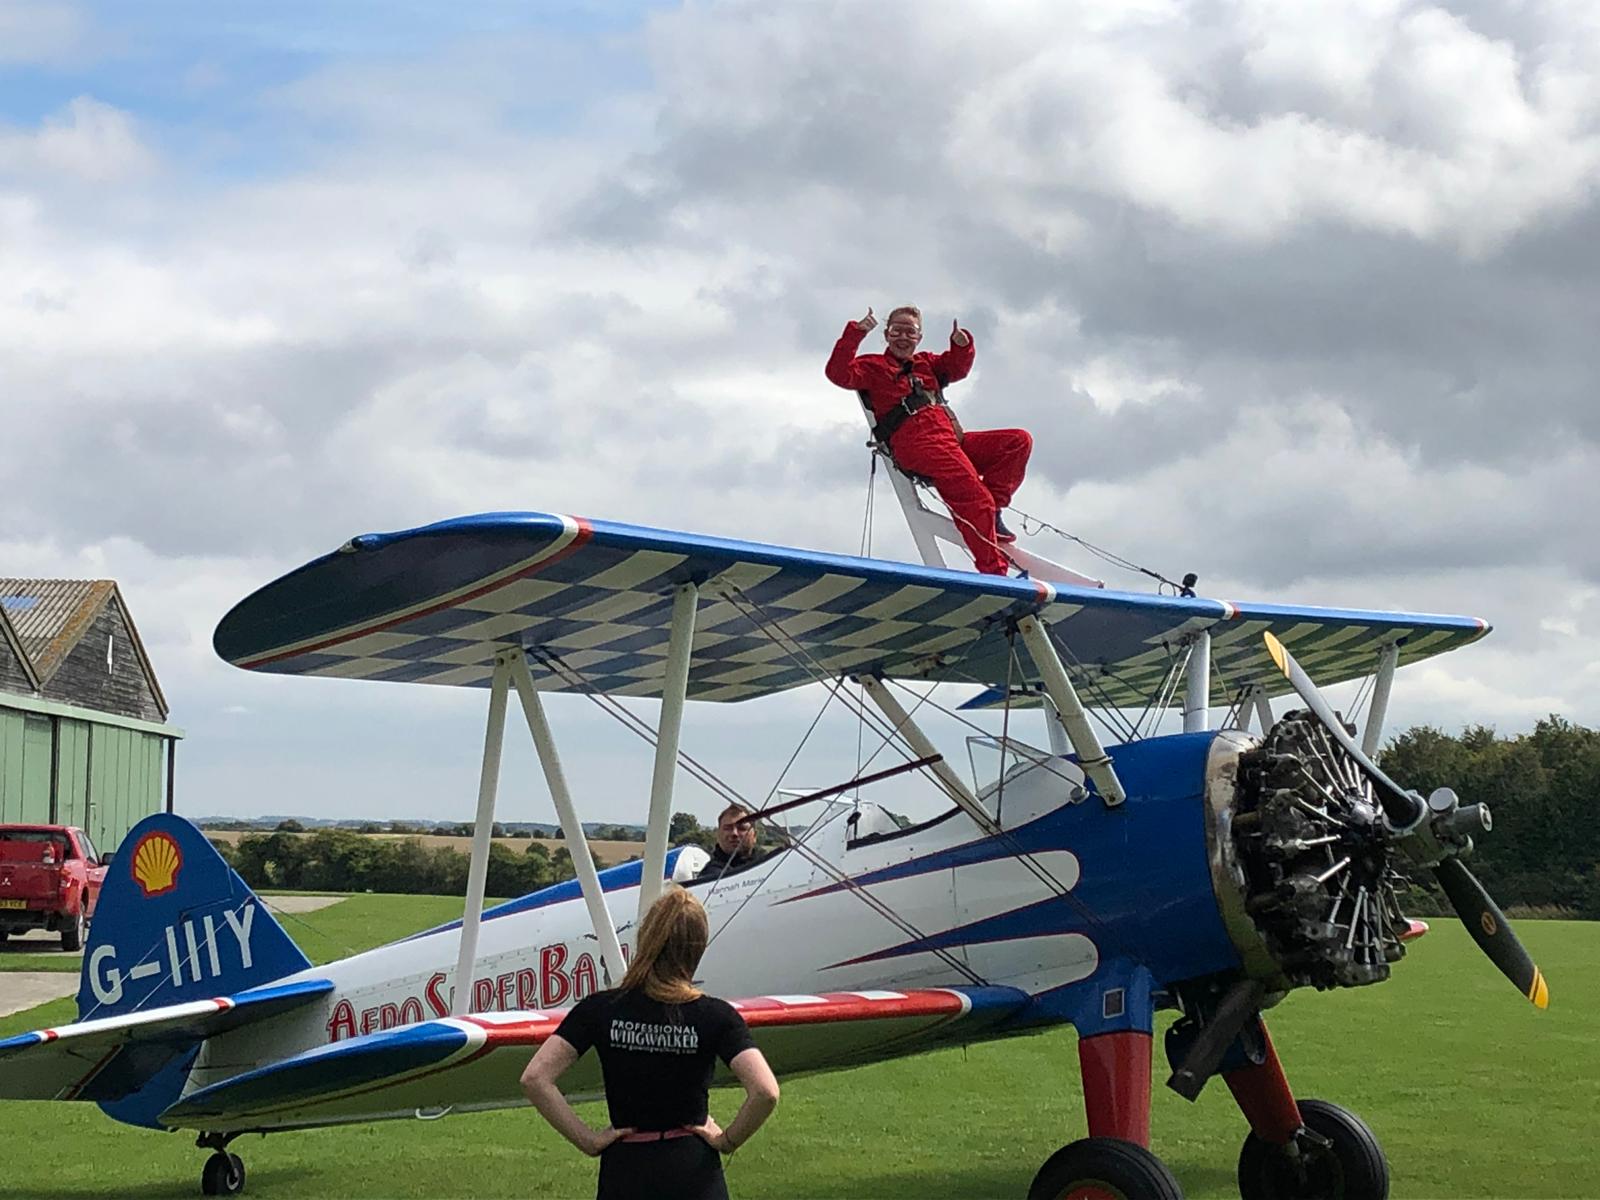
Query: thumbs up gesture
{"type": "Point", "coordinates": [958, 336]}
{"type": "Point", "coordinates": [867, 322]}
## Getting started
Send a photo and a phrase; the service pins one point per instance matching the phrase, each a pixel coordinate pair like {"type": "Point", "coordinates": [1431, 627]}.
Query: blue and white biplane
{"type": "Point", "coordinates": [1210, 871]}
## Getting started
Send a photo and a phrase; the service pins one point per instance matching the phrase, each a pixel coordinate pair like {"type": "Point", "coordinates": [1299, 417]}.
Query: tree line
{"type": "Point", "coordinates": [342, 860]}
{"type": "Point", "coordinates": [1543, 791]}
{"type": "Point", "coordinates": [352, 860]}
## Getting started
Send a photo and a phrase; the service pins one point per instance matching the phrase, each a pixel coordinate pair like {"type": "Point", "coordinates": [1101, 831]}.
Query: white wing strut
{"type": "Point", "coordinates": [478, 871]}
{"type": "Point", "coordinates": [918, 741]}
{"type": "Point", "coordinates": [1197, 685]}
{"type": "Point", "coordinates": [1069, 711]}
{"type": "Point", "coordinates": [594, 899]}
{"type": "Point", "coordinates": [511, 668]}
{"type": "Point", "coordinates": [674, 687]}
{"type": "Point", "coordinates": [1378, 710]}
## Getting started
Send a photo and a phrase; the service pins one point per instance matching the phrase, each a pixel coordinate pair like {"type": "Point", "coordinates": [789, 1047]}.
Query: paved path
{"type": "Point", "coordinates": [25, 989]}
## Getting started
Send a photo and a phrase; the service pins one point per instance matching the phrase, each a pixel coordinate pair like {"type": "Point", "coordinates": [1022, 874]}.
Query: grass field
{"type": "Point", "coordinates": [1473, 1093]}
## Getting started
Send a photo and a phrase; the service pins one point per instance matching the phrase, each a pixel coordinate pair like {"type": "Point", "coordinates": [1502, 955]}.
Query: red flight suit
{"type": "Point", "coordinates": [977, 473]}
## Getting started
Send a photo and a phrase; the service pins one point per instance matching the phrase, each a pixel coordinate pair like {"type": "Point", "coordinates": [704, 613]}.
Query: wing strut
{"type": "Point", "coordinates": [1069, 711]}
{"type": "Point", "coordinates": [1197, 684]}
{"type": "Point", "coordinates": [478, 871]}
{"type": "Point", "coordinates": [674, 687]}
{"type": "Point", "coordinates": [1378, 710]}
{"type": "Point", "coordinates": [605, 932]}
{"type": "Point", "coordinates": [918, 741]}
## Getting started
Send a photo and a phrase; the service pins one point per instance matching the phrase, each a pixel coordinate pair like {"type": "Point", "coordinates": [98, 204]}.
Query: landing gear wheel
{"type": "Point", "coordinates": [223, 1175]}
{"type": "Point", "coordinates": [1339, 1160]}
{"type": "Point", "coordinates": [1102, 1168]}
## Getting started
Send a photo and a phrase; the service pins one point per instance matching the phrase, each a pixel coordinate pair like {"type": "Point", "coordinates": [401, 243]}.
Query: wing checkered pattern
{"type": "Point", "coordinates": [591, 603]}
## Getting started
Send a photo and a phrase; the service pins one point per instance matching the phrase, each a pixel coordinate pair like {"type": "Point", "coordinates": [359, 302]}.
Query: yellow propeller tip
{"type": "Point", "coordinates": [1539, 993]}
{"type": "Point", "coordinates": [1275, 648]}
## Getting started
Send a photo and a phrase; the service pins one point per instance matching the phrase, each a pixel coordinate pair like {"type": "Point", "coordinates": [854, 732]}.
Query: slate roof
{"type": "Point", "coordinates": [49, 617]}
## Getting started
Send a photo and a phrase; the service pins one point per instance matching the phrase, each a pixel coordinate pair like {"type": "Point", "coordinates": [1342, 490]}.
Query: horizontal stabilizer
{"type": "Point", "coordinates": [475, 1062]}
{"type": "Point", "coordinates": [107, 1058]}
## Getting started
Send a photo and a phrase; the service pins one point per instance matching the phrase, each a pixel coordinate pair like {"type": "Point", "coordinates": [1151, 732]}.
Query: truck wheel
{"type": "Point", "coordinates": [72, 933]}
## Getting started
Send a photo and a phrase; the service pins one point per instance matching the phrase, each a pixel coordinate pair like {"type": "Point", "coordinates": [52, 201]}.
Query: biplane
{"type": "Point", "coordinates": [1091, 883]}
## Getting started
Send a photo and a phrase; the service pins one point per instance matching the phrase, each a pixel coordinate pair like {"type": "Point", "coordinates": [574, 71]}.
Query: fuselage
{"type": "Point", "coordinates": [1070, 895]}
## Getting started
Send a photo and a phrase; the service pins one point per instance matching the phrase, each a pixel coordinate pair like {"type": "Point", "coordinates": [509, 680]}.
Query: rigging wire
{"type": "Point", "coordinates": [642, 729]}
{"type": "Point", "coordinates": [1032, 524]}
{"type": "Point", "coordinates": [1022, 856]}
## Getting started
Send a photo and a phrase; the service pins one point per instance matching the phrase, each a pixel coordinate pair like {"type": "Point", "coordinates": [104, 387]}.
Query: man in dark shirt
{"type": "Point", "coordinates": [736, 844]}
{"type": "Point", "coordinates": [975, 473]}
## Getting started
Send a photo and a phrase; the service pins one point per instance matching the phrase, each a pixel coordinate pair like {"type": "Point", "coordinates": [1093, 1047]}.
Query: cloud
{"type": "Point", "coordinates": [1299, 298]}
{"type": "Point", "coordinates": [87, 141]}
{"type": "Point", "coordinates": [36, 32]}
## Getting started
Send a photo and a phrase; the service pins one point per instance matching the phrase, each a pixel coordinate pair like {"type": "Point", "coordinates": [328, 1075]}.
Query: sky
{"type": "Point", "coordinates": [1302, 298]}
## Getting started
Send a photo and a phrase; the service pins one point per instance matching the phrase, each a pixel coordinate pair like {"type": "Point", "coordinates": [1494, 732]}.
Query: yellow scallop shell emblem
{"type": "Point", "coordinates": [155, 864]}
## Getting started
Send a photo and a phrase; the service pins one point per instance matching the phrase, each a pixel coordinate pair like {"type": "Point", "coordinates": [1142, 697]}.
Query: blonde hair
{"type": "Point", "coordinates": [672, 939]}
{"type": "Point", "coordinates": [904, 308]}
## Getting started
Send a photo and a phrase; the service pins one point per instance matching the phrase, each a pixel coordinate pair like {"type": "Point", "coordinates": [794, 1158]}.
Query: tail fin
{"type": "Point", "coordinates": [175, 922]}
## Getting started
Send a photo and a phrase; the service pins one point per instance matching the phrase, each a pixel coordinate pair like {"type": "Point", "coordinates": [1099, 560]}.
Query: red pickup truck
{"type": "Point", "coordinates": [50, 877]}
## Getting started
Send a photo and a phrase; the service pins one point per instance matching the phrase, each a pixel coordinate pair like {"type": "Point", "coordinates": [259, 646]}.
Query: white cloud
{"type": "Point", "coordinates": [37, 31]}
{"type": "Point", "coordinates": [1251, 274]}
{"type": "Point", "coordinates": [87, 141]}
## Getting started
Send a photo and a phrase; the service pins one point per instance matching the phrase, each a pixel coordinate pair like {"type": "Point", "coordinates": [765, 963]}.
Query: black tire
{"type": "Point", "coordinates": [1113, 1168]}
{"type": "Point", "coordinates": [1350, 1167]}
{"type": "Point", "coordinates": [72, 933]}
{"type": "Point", "coordinates": [223, 1175]}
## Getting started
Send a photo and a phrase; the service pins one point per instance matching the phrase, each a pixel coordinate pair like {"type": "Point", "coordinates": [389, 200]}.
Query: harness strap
{"type": "Point", "coordinates": [914, 401]}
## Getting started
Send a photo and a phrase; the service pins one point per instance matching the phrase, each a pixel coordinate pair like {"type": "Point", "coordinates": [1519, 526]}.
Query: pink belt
{"type": "Point", "coordinates": [656, 1135]}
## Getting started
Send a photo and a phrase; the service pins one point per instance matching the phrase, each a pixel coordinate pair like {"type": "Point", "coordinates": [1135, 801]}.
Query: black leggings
{"type": "Point", "coordinates": [683, 1168]}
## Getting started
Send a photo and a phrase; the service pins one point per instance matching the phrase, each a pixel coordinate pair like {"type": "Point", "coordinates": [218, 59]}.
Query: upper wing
{"type": "Point", "coordinates": [591, 601]}
{"type": "Point", "coordinates": [105, 1059]}
{"type": "Point", "coordinates": [476, 1062]}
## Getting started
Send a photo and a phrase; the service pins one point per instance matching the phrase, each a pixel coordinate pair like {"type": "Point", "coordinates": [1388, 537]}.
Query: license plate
{"type": "Point", "coordinates": [13, 904]}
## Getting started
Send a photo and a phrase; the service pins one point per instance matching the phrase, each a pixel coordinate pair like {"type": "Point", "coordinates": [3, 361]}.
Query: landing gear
{"type": "Point", "coordinates": [223, 1175]}
{"type": "Point", "coordinates": [1113, 1162]}
{"type": "Point", "coordinates": [1334, 1156]}
{"type": "Point", "coordinates": [1104, 1168]}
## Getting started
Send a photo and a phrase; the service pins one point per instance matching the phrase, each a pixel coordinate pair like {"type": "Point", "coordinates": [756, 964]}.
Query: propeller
{"type": "Point", "coordinates": [1404, 809]}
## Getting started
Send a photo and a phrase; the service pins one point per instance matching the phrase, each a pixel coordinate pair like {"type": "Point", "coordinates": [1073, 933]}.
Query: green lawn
{"type": "Point", "coordinates": [1473, 1093]}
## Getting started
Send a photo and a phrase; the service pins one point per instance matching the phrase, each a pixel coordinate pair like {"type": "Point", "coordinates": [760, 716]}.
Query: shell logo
{"type": "Point", "coordinates": [156, 861]}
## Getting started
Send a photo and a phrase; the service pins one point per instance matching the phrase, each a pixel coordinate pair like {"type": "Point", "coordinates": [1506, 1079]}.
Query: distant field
{"type": "Point", "coordinates": [1472, 1092]}
{"type": "Point", "coordinates": [611, 852]}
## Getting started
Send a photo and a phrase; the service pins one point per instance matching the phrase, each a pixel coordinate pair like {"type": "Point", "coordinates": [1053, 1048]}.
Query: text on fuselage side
{"type": "Point", "coordinates": [551, 985]}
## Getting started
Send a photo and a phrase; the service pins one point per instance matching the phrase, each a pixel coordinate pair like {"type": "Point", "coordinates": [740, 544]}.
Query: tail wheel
{"type": "Point", "coordinates": [1102, 1168]}
{"type": "Point", "coordinates": [72, 934]}
{"type": "Point", "coordinates": [1337, 1157]}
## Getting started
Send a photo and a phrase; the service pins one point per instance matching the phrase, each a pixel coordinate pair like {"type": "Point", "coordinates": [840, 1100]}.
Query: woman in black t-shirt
{"type": "Point", "coordinates": [658, 1037]}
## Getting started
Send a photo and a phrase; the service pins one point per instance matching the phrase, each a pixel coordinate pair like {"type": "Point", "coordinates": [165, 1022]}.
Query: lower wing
{"type": "Point", "coordinates": [476, 1062]}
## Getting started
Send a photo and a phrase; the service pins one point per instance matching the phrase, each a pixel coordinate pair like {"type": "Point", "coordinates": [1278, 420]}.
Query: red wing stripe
{"type": "Point", "coordinates": [580, 536]}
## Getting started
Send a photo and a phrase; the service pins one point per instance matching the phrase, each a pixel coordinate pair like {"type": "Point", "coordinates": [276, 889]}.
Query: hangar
{"type": "Point", "coordinates": [84, 738]}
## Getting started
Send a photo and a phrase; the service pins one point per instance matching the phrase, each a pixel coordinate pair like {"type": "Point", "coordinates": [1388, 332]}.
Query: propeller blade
{"type": "Point", "coordinates": [1399, 805]}
{"type": "Point", "coordinates": [1490, 929]}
